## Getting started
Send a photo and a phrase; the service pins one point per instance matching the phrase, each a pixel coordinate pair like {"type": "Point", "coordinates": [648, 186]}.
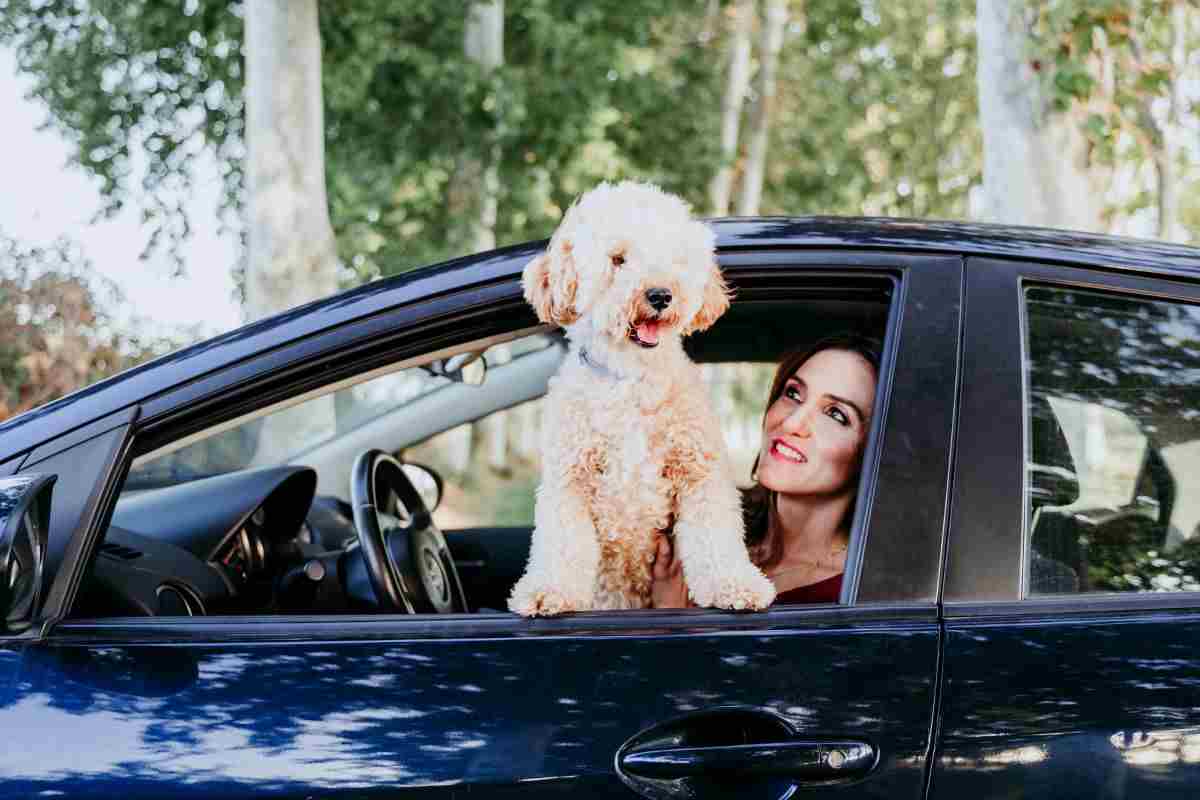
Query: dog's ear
{"type": "Point", "coordinates": [716, 301]}
{"type": "Point", "coordinates": [550, 283]}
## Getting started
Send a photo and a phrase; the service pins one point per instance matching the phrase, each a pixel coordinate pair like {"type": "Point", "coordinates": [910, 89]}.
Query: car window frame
{"type": "Point", "coordinates": [934, 286]}
{"type": "Point", "coordinates": [988, 541]}
{"type": "Point", "coordinates": [86, 462]}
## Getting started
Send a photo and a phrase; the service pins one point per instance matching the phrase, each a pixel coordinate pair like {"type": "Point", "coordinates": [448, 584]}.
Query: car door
{"type": "Point", "coordinates": [1072, 632]}
{"type": "Point", "coordinates": [686, 703]}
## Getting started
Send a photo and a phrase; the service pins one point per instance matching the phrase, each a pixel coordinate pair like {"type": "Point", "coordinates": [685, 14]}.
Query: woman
{"type": "Point", "coordinates": [798, 512]}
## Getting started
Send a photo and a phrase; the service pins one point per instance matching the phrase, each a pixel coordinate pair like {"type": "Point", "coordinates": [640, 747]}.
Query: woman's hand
{"type": "Point", "coordinates": [668, 588]}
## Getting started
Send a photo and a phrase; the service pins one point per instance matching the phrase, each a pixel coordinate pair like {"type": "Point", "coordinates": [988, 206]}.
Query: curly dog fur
{"type": "Point", "coordinates": [630, 444]}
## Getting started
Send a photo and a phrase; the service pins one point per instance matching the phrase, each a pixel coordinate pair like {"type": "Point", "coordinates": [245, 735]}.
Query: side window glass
{"type": "Point", "coordinates": [255, 513]}
{"type": "Point", "coordinates": [1113, 467]}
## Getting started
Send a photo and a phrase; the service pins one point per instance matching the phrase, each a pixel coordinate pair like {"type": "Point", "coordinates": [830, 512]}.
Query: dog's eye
{"type": "Point", "coordinates": [617, 259]}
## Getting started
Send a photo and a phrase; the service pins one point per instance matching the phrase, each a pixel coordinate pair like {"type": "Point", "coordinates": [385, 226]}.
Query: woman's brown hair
{"type": "Point", "coordinates": [758, 501]}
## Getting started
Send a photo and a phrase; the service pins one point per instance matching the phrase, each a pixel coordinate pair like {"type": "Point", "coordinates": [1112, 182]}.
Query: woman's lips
{"type": "Point", "coordinates": [785, 452]}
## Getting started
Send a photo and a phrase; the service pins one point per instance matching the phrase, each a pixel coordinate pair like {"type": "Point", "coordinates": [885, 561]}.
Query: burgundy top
{"type": "Point", "coordinates": [825, 591]}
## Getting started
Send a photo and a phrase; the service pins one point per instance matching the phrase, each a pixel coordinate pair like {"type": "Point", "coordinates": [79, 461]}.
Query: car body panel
{"type": "Point", "coordinates": [87, 481]}
{"type": "Point", "coordinates": [307, 707]}
{"type": "Point", "coordinates": [1063, 697]}
{"type": "Point", "coordinates": [1009, 242]}
{"type": "Point", "coordinates": [11, 465]}
{"type": "Point", "coordinates": [382, 706]}
{"type": "Point", "coordinates": [361, 708]}
{"type": "Point", "coordinates": [1064, 705]}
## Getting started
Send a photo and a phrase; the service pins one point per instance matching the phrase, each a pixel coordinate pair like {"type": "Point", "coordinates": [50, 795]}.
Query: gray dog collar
{"type": "Point", "coordinates": [597, 367]}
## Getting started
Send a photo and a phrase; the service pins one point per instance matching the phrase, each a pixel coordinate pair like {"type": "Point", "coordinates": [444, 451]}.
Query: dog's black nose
{"type": "Point", "coordinates": [658, 298]}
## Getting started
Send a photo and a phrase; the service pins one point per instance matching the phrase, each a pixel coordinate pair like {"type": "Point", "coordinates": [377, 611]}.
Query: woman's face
{"type": "Point", "coordinates": [814, 433]}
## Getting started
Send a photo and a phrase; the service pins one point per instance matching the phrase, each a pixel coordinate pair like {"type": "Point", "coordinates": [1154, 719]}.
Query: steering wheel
{"type": "Point", "coordinates": [406, 555]}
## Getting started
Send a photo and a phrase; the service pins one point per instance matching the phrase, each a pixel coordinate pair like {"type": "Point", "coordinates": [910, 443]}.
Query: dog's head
{"type": "Point", "coordinates": [628, 262]}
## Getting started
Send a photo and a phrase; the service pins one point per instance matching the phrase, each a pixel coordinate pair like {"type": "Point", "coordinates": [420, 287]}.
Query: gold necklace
{"type": "Point", "coordinates": [805, 564]}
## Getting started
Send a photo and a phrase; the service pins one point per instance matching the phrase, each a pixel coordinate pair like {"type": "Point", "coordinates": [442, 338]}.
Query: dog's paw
{"type": "Point", "coordinates": [751, 591]}
{"type": "Point", "coordinates": [531, 601]}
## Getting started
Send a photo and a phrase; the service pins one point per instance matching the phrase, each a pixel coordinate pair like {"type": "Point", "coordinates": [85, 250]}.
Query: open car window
{"type": "Point", "coordinates": [491, 467]}
{"type": "Point", "coordinates": [282, 435]}
{"type": "Point", "coordinates": [231, 519]}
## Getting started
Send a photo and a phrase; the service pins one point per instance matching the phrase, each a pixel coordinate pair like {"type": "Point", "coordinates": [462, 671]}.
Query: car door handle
{"type": "Point", "coordinates": [737, 751]}
{"type": "Point", "coordinates": [804, 761]}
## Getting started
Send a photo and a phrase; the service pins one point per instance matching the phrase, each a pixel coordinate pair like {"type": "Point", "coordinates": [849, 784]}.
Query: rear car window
{"type": "Point", "coordinates": [1113, 443]}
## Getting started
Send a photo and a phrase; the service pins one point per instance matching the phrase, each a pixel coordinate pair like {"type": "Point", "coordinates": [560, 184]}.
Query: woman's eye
{"type": "Point", "coordinates": [792, 393]}
{"type": "Point", "coordinates": [838, 415]}
{"type": "Point", "coordinates": [617, 259]}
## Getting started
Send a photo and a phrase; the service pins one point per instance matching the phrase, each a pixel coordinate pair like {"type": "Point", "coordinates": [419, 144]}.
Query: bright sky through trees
{"type": "Point", "coordinates": [45, 199]}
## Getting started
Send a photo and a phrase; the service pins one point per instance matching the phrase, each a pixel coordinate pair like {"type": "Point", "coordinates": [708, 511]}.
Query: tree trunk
{"type": "Point", "coordinates": [528, 420]}
{"type": "Point", "coordinates": [756, 156]}
{"type": "Point", "coordinates": [475, 187]}
{"type": "Point", "coordinates": [291, 258]}
{"type": "Point", "coordinates": [1167, 160]}
{"type": "Point", "coordinates": [1036, 167]}
{"type": "Point", "coordinates": [494, 429]}
{"type": "Point", "coordinates": [456, 445]}
{"type": "Point", "coordinates": [721, 187]}
{"type": "Point", "coordinates": [475, 190]}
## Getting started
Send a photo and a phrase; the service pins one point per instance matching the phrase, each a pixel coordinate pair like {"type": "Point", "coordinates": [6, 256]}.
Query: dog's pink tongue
{"type": "Point", "coordinates": [648, 332]}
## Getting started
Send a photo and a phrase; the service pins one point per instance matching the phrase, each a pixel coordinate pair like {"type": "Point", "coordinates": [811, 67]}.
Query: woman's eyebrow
{"type": "Point", "coordinates": [861, 416]}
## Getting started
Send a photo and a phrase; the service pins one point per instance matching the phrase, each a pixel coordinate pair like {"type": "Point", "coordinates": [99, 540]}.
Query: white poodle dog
{"type": "Point", "coordinates": [630, 445]}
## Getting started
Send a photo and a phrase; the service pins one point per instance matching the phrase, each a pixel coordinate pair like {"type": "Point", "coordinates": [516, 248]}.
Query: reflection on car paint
{"type": "Point", "coordinates": [1072, 708]}
{"type": "Point", "coordinates": [280, 718]}
{"type": "Point", "coordinates": [1158, 747]}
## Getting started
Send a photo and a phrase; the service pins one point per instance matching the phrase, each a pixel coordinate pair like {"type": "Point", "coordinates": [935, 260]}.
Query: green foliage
{"type": "Point", "coordinates": [1189, 212]}
{"type": "Point", "coordinates": [141, 89]}
{"type": "Point", "coordinates": [1129, 566]}
{"type": "Point", "coordinates": [1071, 82]}
{"type": "Point", "coordinates": [587, 92]}
{"type": "Point", "coordinates": [876, 108]}
{"type": "Point", "coordinates": [1109, 58]}
{"type": "Point", "coordinates": [877, 111]}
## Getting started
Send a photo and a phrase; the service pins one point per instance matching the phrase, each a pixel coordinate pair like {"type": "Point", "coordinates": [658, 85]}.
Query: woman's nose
{"type": "Point", "coordinates": [799, 422]}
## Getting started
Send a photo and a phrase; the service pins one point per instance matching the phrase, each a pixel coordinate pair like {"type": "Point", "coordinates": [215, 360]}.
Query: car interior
{"type": "Point", "coordinates": [257, 514]}
{"type": "Point", "coordinates": [1112, 445]}
{"type": "Point", "coordinates": [1071, 532]}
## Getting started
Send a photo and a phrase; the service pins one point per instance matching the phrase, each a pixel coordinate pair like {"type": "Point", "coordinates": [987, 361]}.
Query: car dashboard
{"type": "Point", "coordinates": [250, 542]}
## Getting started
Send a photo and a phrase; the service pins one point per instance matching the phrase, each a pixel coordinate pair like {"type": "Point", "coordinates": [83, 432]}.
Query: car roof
{"type": "Point", "coordinates": [737, 234]}
{"type": "Point", "coordinates": [1018, 242]}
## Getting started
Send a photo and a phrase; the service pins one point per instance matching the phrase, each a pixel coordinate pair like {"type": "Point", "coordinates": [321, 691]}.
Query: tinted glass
{"type": "Point", "coordinates": [1113, 471]}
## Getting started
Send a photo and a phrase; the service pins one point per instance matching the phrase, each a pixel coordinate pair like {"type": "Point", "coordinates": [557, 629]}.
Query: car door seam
{"type": "Point", "coordinates": [935, 722]}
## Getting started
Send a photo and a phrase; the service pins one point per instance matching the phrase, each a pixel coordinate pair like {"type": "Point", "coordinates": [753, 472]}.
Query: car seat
{"type": "Point", "coordinates": [1057, 542]}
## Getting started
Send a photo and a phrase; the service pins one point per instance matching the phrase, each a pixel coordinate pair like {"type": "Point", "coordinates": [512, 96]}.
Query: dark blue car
{"type": "Point", "coordinates": [275, 564]}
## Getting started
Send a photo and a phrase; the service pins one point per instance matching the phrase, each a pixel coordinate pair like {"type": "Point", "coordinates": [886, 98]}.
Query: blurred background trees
{"type": "Point", "coordinates": [1086, 112]}
{"type": "Point", "coordinates": [418, 131]}
{"type": "Point", "coordinates": [55, 333]}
